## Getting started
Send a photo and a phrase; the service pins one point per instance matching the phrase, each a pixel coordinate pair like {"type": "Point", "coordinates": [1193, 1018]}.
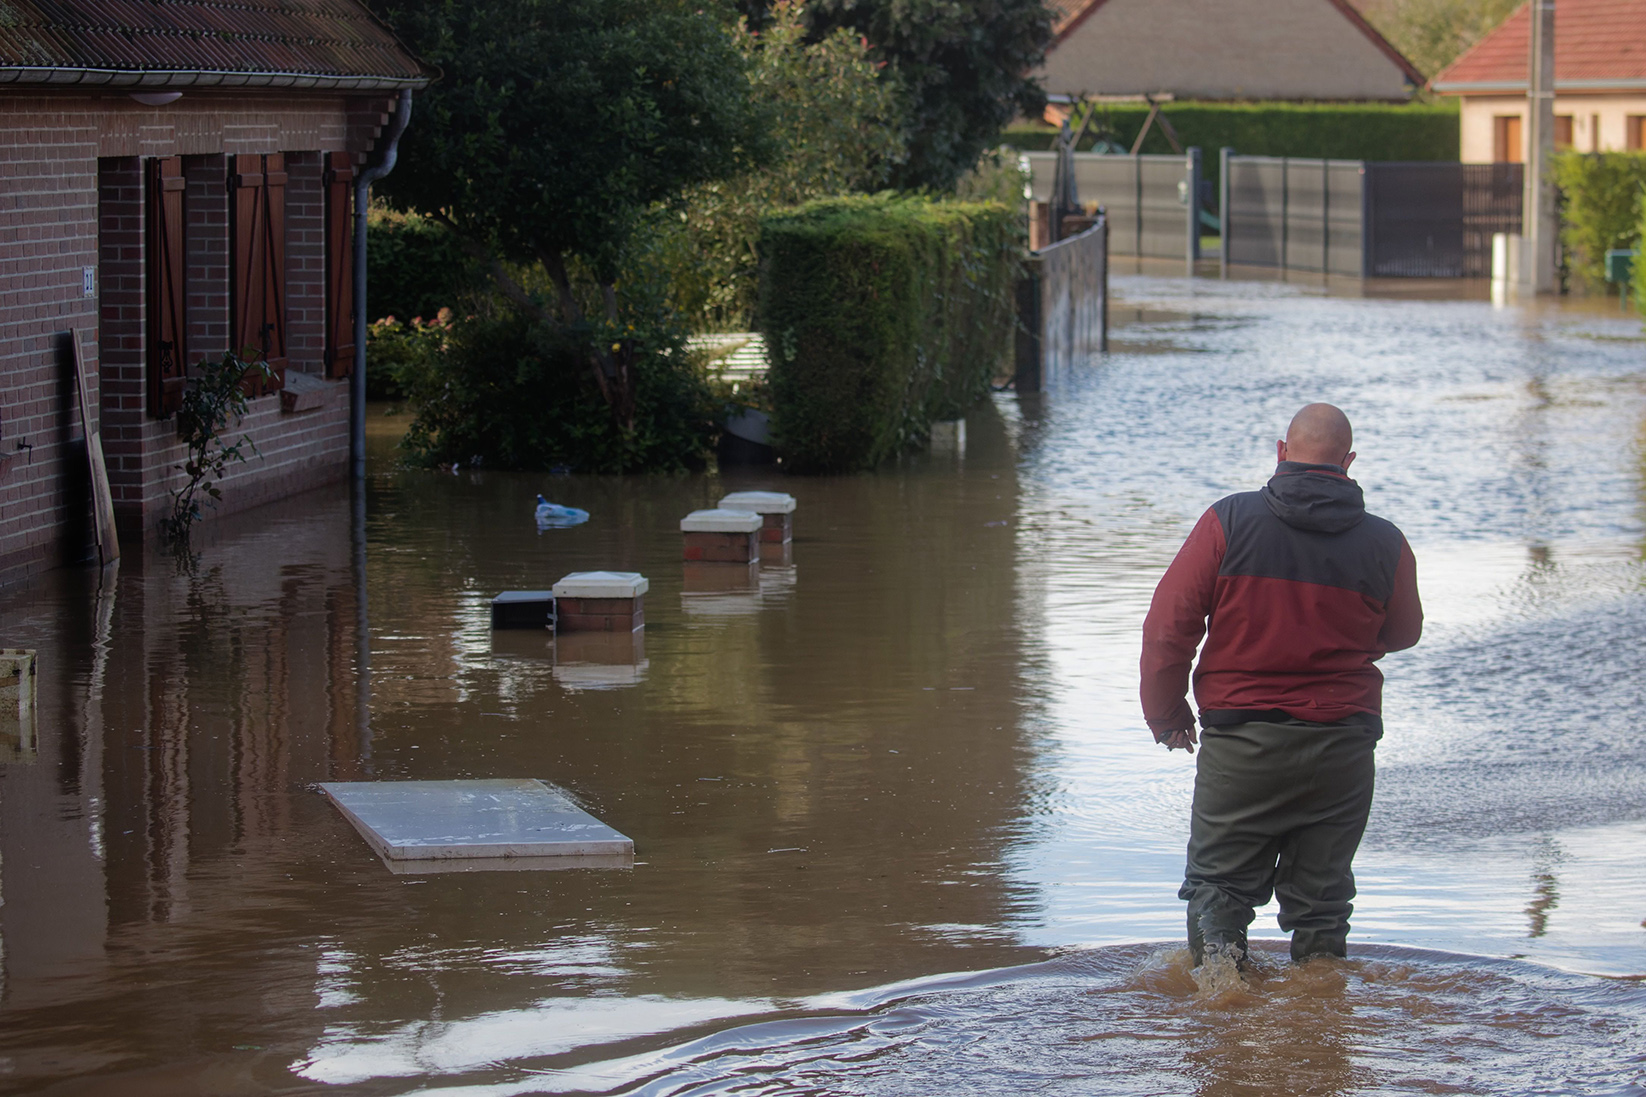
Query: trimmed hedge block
{"type": "Point", "coordinates": [882, 315]}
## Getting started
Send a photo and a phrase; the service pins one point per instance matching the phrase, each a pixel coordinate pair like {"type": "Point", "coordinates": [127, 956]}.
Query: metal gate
{"type": "Point", "coordinates": [1145, 199]}
{"type": "Point", "coordinates": [1386, 220]}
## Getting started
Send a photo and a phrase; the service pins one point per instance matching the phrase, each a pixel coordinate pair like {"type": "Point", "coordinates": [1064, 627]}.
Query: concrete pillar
{"type": "Point", "coordinates": [600, 601]}
{"type": "Point", "coordinates": [722, 536]}
{"type": "Point", "coordinates": [1539, 217]}
{"type": "Point", "coordinates": [776, 510]}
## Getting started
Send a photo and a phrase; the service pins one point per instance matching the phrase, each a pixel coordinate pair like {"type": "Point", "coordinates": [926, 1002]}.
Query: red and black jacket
{"type": "Point", "coordinates": [1298, 592]}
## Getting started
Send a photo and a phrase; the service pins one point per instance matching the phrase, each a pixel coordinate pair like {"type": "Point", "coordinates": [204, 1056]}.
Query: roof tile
{"type": "Point", "coordinates": [1595, 41]}
{"type": "Point", "coordinates": [327, 39]}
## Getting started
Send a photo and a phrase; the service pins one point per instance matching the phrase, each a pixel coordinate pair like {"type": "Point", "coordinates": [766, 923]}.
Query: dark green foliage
{"type": "Point", "coordinates": [882, 315]}
{"type": "Point", "coordinates": [414, 267]}
{"type": "Point", "coordinates": [397, 349]}
{"type": "Point", "coordinates": [1600, 198]}
{"type": "Point", "coordinates": [510, 391]}
{"type": "Point", "coordinates": [558, 123]}
{"type": "Point", "coordinates": [214, 397]}
{"type": "Point", "coordinates": [962, 69]}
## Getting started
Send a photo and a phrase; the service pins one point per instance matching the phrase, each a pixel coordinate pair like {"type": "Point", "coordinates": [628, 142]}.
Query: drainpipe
{"type": "Point", "coordinates": [362, 201]}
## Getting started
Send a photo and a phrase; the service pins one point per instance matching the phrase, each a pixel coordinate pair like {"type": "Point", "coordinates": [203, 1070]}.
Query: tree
{"type": "Point", "coordinates": [834, 131]}
{"type": "Point", "coordinates": [556, 126]}
{"type": "Point", "coordinates": [961, 68]}
{"type": "Point", "coordinates": [1434, 33]}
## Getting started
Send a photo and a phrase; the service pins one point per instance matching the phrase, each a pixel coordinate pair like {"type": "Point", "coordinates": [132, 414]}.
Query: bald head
{"type": "Point", "coordinates": [1319, 435]}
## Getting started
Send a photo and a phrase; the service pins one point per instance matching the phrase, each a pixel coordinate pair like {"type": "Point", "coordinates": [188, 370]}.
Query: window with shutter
{"type": "Point", "coordinates": [339, 264]}
{"type": "Point", "coordinates": [167, 327]}
{"type": "Point", "coordinates": [257, 278]}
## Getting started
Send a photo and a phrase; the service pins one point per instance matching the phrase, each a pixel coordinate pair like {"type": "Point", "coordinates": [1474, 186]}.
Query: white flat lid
{"type": "Point", "coordinates": [720, 521]}
{"type": "Point", "coordinates": [602, 584]}
{"type": "Point", "coordinates": [414, 820]}
{"type": "Point", "coordinates": [760, 502]}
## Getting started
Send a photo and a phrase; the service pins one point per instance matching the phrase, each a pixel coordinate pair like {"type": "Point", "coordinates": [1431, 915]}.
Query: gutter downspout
{"type": "Point", "coordinates": [362, 201]}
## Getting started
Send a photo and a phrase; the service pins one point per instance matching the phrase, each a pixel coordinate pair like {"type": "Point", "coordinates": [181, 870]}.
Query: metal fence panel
{"type": "Point", "coordinates": [1304, 239]}
{"type": "Point", "coordinates": [1111, 182]}
{"type": "Point", "coordinates": [1256, 230]}
{"type": "Point", "coordinates": [1067, 315]}
{"type": "Point", "coordinates": [1345, 227]}
{"type": "Point", "coordinates": [1042, 170]}
{"type": "Point", "coordinates": [1416, 228]}
{"type": "Point", "coordinates": [1164, 198]}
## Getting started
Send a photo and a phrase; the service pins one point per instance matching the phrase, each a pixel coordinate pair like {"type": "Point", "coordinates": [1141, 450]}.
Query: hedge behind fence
{"type": "Point", "coordinates": [1344, 131]}
{"type": "Point", "coordinates": [882, 315]}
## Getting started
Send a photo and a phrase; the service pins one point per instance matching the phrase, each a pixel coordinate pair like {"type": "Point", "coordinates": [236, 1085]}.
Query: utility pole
{"type": "Point", "coordinates": [1541, 227]}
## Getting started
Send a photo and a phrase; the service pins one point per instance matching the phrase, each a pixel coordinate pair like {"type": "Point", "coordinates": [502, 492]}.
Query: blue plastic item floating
{"type": "Point", "coordinates": [554, 516]}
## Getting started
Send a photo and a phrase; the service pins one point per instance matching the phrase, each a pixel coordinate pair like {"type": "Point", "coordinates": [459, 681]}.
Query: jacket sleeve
{"type": "Point", "coordinates": [1175, 625]}
{"type": "Point", "coordinates": [1403, 615]}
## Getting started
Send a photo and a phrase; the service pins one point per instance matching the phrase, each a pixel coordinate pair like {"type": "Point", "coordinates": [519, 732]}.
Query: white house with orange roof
{"type": "Point", "coordinates": [1319, 50]}
{"type": "Point", "coordinates": [1600, 82]}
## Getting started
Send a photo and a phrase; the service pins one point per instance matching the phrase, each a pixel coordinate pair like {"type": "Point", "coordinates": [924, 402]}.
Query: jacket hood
{"type": "Point", "coordinates": [1315, 497]}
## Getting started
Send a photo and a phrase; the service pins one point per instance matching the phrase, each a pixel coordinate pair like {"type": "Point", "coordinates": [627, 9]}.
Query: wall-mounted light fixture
{"type": "Point", "coordinates": [156, 98]}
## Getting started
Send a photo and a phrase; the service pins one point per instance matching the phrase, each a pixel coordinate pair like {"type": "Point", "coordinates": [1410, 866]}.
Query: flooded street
{"type": "Point", "coordinates": [899, 828]}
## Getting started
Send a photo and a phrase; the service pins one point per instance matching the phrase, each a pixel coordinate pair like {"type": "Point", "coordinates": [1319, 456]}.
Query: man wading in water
{"type": "Point", "coordinates": [1303, 592]}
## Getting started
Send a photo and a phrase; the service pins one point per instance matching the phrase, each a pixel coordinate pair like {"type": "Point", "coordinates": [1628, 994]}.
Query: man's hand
{"type": "Point", "coordinates": [1174, 740]}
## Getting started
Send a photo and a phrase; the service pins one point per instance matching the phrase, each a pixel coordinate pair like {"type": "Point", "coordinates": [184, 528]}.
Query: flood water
{"type": "Point", "coordinates": [899, 828]}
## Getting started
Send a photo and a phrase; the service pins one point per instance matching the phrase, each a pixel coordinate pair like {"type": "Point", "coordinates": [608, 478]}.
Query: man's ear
{"type": "Point", "coordinates": [1349, 460]}
{"type": "Point", "coordinates": [1280, 450]}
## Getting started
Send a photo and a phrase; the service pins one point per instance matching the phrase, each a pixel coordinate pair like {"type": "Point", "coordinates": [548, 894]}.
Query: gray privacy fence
{"type": "Point", "coordinates": [1062, 306]}
{"type": "Point", "coordinates": [1389, 220]}
{"type": "Point", "coordinates": [1147, 200]}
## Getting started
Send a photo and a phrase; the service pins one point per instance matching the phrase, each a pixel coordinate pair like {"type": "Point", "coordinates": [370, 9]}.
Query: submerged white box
{"type": "Point", "coordinates": [503, 818]}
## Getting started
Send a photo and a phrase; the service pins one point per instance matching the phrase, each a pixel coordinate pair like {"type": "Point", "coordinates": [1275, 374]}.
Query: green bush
{"type": "Point", "coordinates": [396, 350]}
{"type": "Point", "coordinates": [510, 391]}
{"type": "Point", "coordinates": [1600, 193]}
{"type": "Point", "coordinates": [882, 315]}
{"type": "Point", "coordinates": [414, 266]}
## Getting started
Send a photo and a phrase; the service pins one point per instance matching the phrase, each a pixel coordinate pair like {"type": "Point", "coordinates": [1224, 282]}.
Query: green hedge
{"type": "Point", "coordinates": [882, 315]}
{"type": "Point", "coordinates": [1600, 199]}
{"type": "Point", "coordinates": [1346, 131]}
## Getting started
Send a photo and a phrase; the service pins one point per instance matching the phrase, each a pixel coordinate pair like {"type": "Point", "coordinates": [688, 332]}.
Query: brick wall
{"type": "Point", "coordinates": [70, 169]}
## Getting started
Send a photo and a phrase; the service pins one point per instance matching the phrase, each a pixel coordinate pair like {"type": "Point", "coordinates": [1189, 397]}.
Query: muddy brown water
{"type": "Point", "coordinates": [898, 826]}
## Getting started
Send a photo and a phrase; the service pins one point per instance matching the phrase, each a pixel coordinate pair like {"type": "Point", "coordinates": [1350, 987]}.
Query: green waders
{"type": "Point", "coordinates": [1279, 809]}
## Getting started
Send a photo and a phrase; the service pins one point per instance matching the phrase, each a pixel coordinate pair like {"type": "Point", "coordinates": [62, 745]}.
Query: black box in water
{"type": "Point", "coordinates": [523, 609]}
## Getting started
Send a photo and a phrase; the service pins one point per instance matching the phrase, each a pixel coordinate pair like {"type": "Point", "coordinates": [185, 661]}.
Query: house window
{"type": "Point", "coordinates": [1594, 133]}
{"type": "Point", "coordinates": [1506, 146]}
{"type": "Point", "coordinates": [163, 187]}
{"type": "Point", "coordinates": [339, 264]}
{"type": "Point", "coordinates": [1635, 132]}
{"type": "Point", "coordinates": [1563, 131]}
{"type": "Point", "coordinates": [257, 268]}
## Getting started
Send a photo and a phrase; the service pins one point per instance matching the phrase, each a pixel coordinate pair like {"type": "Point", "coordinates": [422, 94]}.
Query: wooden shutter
{"type": "Point", "coordinates": [167, 322]}
{"type": "Point", "coordinates": [257, 282]}
{"type": "Point", "coordinates": [339, 264]}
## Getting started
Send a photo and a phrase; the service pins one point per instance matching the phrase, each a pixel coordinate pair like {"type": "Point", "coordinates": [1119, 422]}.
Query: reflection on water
{"type": "Point", "coordinates": [910, 746]}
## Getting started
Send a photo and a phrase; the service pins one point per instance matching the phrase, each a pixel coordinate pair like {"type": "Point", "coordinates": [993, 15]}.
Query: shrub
{"type": "Point", "coordinates": [1601, 194]}
{"type": "Point", "coordinates": [396, 350]}
{"type": "Point", "coordinates": [414, 266]}
{"type": "Point", "coordinates": [507, 390]}
{"type": "Point", "coordinates": [882, 315]}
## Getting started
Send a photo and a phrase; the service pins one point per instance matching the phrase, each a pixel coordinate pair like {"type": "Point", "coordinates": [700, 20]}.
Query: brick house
{"type": "Point", "coordinates": [176, 179]}
{"type": "Point", "coordinates": [1600, 82]}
